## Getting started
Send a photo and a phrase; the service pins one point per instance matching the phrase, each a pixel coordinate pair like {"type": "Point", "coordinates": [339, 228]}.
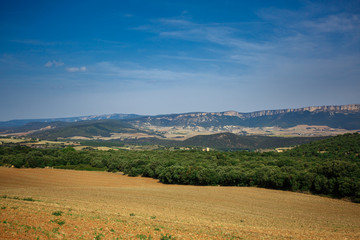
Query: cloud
{"type": "Point", "coordinates": [315, 44]}
{"type": "Point", "coordinates": [314, 31]}
{"type": "Point", "coordinates": [230, 35]}
{"type": "Point", "coordinates": [335, 23]}
{"type": "Point", "coordinates": [314, 18]}
{"type": "Point", "coordinates": [186, 30]}
{"type": "Point", "coordinates": [54, 63]}
{"type": "Point", "coordinates": [76, 69]}
{"type": "Point", "coordinates": [158, 77]}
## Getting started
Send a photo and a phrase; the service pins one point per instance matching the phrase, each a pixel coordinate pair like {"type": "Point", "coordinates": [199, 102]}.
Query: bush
{"type": "Point", "coordinates": [57, 213]}
{"type": "Point", "coordinates": [166, 237]}
{"type": "Point", "coordinates": [58, 221]}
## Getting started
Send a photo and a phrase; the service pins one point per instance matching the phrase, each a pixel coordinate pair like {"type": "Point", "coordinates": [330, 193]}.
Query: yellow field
{"type": "Point", "coordinates": [97, 148]}
{"type": "Point", "coordinates": [26, 142]}
{"type": "Point", "coordinates": [11, 140]}
{"type": "Point", "coordinates": [101, 205]}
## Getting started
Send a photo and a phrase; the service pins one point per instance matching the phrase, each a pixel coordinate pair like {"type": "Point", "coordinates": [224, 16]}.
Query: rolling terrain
{"type": "Point", "coordinates": [220, 130]}
{"type": "Point", "coordinates": [345, 116]}
{"type": "Point", "coordinates": [14, 124]}
{"type": "Point", "coordinates": [227, 141]}
{"type": "Point", "coordinates": [330, 166]}
{"type": "Point", "coordinates": [341, 117]}
{"type": "Point", "coordinates": [93, 128]}
{"type": "Point", "coordinates": [49, 203]}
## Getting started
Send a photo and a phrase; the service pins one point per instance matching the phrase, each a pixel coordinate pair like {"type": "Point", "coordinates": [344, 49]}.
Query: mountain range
{"type": "Point", "coordinates": [185, 127]}
{"type": "Point", "coordinates": [345, 116]}
{"type": "Point", "coordinates": [23, 122]}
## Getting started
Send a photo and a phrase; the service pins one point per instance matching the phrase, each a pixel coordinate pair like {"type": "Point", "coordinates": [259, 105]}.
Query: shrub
{"type": "Point", "coordinates": [57, 213]}
{"type": "Point", "coordinates": [166, 237]}
{"type": "Point", "coordinates": [143, 237]}
{"type": "Point", "coordinates": [29, 199]}
{"type": "Point", "coordinates": [58, 221]}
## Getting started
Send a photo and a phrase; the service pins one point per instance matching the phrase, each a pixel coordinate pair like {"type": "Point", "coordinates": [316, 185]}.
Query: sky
{"type": "Point", "coordinates": [76, 58]}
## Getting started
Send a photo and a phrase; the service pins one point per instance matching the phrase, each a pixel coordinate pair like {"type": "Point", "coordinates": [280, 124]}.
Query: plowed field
{"type": "Point", "coordinates": [66, 204]}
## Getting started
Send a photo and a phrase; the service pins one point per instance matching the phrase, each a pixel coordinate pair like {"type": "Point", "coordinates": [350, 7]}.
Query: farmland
{"type": "Point", "coordinates": [329, 166]}
{"type": "Point", "coordinates": [110, 206]}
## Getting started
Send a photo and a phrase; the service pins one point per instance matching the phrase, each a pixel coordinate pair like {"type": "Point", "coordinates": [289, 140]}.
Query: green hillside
{"type": "Point", "coordinates": [345, 146]}
{"type": "Point", "coordinates": [226, 141]}
{"type": "Point", "coordinates": [87, 129]}
{"type": "Point", "coordinates": [350, 121]}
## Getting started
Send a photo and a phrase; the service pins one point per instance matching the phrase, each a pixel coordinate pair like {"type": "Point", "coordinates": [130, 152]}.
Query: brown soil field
{"type": "Point", "coordinates": [67, 204]}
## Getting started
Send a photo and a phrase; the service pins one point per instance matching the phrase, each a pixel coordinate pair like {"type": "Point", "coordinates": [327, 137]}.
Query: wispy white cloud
{"type": "Point", "coordinates": [310, 32]}
{"type": "Point", "coordinates": [157, 76]}
{"type": "Point", "coordinates": [76, 69]}
{"type": "Point", "coordinates": [335, 23]}
{"type": "Point", "coordinates": [314, 46]}
{"type": "Point", "coordinates": [54, 63]}
{"type": "Point", "coordinates": [197, 59]}
{"type": "Point", "coordinates": [314, 19]}
{"type": "Point", "coordinates": [217, 33]}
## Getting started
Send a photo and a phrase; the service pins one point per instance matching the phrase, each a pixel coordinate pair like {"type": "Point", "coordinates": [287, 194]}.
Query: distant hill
{"type": "Point", "coordinates": [345, 146]}
{"type": "Point", "coordinates": [89, 129]}
{"type": "Point", "coordinates": [228, 141]}
{"type": "Point", "coordinates": [345, 116]}
{"type": "Point", "coordinates": [31, 124]}
{"type": "Point", "coordinates": [336, 119]}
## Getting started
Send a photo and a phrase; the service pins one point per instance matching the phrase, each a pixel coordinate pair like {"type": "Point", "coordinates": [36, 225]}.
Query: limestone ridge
{"type": "Point", "coordinates": [351, 108]}
{"type": "Point", "coordinates": [344, 116]}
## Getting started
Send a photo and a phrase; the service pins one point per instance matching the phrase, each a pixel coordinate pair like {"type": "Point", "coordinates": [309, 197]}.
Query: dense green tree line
{"type": "Point", "coordinates": [330, 166]}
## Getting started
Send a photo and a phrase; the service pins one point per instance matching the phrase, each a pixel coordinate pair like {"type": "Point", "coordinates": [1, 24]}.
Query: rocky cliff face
{"type": "Point", "coordinates": [351, 108]}
{"type": "Point", "coordinates": [344, 116]}
{"type": "Point", "coordinates": [203, 116]}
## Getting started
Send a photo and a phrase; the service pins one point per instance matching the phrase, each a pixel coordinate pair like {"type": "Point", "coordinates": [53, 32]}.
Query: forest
{"type": "Point", "coordinates": [328, 167]}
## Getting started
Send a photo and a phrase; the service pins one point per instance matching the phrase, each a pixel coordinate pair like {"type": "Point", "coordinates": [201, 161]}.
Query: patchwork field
{"type": "Point", "coordinates": [66, 204]}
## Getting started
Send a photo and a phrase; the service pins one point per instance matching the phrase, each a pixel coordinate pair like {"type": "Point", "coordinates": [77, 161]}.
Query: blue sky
{"type": "Point", "coordinates": [73, 58]}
